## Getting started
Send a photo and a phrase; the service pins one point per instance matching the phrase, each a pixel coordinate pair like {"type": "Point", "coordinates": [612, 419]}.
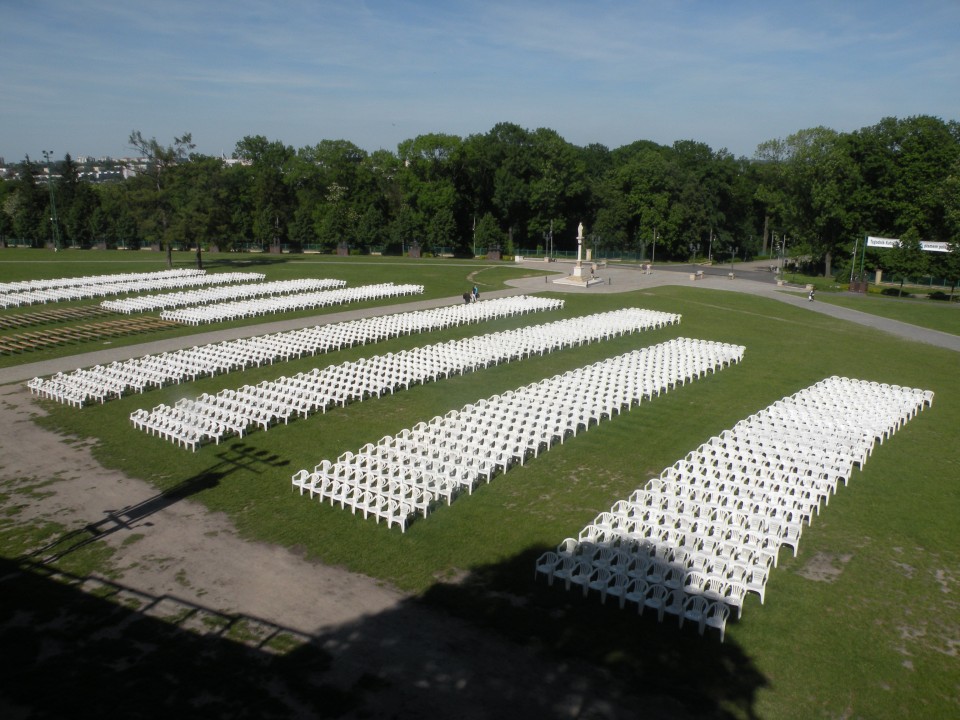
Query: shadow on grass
{"type": "Point", "coordinates": [84, 646]}
{"type": "Point", "coordinates": [494, 645]}
{"type": "Point", "coordinates": [235, 457]}
{"type": "Point", "coordinates": [660, 668]}
{"type": "Point", "coordinates": [219, 261]}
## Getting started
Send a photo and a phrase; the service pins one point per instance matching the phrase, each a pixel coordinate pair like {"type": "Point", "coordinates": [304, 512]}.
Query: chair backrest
{"type": "Point", "coordinates": [735, 592]}
{"type": "Point", "coordinates": [696, 604]}
{"type": "Point", "coordinates": [674, 577]}
{"type": "Point", "coordinates": [657, 593]}
{"type": "Point", "coordinates": [694, 581]}
{"type": "Point", "coordinates": [717, 612]}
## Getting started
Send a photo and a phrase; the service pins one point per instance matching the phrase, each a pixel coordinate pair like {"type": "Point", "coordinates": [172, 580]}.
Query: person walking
{"type": "Point", "coordinates": [810, 296]}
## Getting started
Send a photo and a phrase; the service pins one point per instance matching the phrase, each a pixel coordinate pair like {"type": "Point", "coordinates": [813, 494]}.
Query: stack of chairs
{"type": "Point", "coordinates": [451, 454]}
{"type": "Point", "coordinates": [220, 312]}
{"type": "Point", "coordinates": [81, 386]}
{"type": "Point", "coordinates": [354, 381]}
{"type": "Point", "coordinates": [221, 293]}
{"type": "Point", "coordinates": [695, 540]}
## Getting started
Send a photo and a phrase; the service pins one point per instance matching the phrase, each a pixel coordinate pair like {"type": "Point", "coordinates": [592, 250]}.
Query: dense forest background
{"type": "Point", "coordinates": [818, 190]}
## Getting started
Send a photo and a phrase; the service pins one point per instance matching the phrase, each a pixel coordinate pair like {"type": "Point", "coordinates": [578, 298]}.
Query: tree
{"type": "Point", "coordinates": [770, 192]}
{"type": "Point", "coordinates": [949, 263]}
{"type": "Point", "coordinates": [7, 201]}
{"type": "Point", "coordinates": [371, 229]}
{"type": "Point", "coordinates": [270, 197]}
{"type": "Point", "coordinates": [330, 171]}
{"type": "Point", "coordinates": [903, 162]}
{"type": "Point", "coordinates": [509, 162]}
{"type": "Point", "coordinates": [908, 259]}
{"type": "Point", "coordinates": [427, 178]}
{"type": "Point", "coordinates": [634, 197]}
{"type": "Point", "coordinates": [406, 228]}
{"type": "Point", "coordinates": [488, 233]}
{"type": "Point", "coordinates": [119, 214]}
{"type": "Point", "coordinates": [199, 202]}
{"type": "Point", "coordinates": [27, 207]}
{"type": "Point", "coordinates": [557, 184]}
{"type": "Point", "coordinates": [76, 204]}
{"type": "Point", "coordinates": [160, 160]}
{"type": "Point", "coordinates": [822, 182]}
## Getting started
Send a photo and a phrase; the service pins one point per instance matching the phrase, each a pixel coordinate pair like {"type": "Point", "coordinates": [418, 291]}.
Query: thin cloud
{"type": "Point", "coordinates": [376, 72]}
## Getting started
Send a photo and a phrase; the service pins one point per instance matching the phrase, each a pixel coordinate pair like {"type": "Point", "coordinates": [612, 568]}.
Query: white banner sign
{"type": "Point", "coordinates": [895, 242]}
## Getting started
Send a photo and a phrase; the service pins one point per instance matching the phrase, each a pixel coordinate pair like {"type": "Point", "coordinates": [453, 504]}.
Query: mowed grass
{"type": "Point", "coordinates": [932, 314]}
{"type": "Point", "coordinates": [863, 623]}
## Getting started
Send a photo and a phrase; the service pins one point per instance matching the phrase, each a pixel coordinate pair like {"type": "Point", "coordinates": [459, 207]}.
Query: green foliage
{"type": "Point", "coordinates": [820, 188]}
{"type": "Point", "coordinates": [488, 232]}
{"type": "Point", "coordinates": [908, 260]}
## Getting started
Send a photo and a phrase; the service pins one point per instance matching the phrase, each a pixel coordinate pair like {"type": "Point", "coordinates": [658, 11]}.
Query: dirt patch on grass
{"type": "Point", "coordinates": [824, 567]}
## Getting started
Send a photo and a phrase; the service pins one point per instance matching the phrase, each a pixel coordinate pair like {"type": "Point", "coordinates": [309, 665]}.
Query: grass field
{"type": "Point", "coordinates": [862, 623]}
{"type": "Point", "coordinates": [941, 316]}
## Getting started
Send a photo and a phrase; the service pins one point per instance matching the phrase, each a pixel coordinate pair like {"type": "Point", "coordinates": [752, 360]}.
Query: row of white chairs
{"type": "Point", "coordinates": [353, 381]}
{"type": "Point", "coordinates": [102, 290]}
{"type": "Point", "coordinates": [103, 382]}
{"type": "Point", "coordinates": [223, 293]}
{"type": "Point", "coordinates": [717, 519]}
{"type": "Point", "coordinates": [453, 453]}
{"type": "Point", "coordinates": [49, 283]}
{"type": "Point", "coordinates": [220, 312]}
{"type": "Point", "coordinates": [648, 583]}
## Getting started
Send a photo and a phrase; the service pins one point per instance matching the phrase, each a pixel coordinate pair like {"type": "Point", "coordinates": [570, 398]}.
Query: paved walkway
{"type": "Point", "coordinates": [748, 279]}
{"type": "Point", "coordinates": [617, 279]}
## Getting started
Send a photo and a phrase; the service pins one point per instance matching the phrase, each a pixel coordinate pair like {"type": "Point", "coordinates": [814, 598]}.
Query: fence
{"type": "Point", "coordinates": [596, 254]}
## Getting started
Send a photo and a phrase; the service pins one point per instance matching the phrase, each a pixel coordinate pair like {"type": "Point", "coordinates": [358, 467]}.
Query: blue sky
{"type": "Point", "coordinates": [79, 75]}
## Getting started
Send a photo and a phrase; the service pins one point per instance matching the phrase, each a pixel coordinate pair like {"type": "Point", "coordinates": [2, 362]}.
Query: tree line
{"type": "Point", "coordinates": [812, 195]}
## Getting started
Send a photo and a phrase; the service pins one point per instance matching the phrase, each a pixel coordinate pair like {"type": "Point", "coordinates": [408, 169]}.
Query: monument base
{"type": "Point", "coordinates": [578, 279]}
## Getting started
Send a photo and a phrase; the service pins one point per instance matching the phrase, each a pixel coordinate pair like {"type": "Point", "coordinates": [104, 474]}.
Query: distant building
{"type": "Point", "coordinates": [101, 170]}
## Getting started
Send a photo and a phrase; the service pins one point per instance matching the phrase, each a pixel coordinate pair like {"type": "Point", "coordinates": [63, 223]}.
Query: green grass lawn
{"type": "Point", "coordinates": [931, 314]}
{"type": "Point", "coordinates": [875, 637]}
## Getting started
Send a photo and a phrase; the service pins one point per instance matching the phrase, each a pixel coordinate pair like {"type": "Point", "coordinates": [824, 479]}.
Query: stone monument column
{"type": "Point", "coordinates": [576, 277]}
{"type": "Point", "coordinates": [578, 270]}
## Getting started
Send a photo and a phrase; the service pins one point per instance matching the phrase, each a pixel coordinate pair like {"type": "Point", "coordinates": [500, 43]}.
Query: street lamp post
{"type": "Point", "coordinates": [853, 261]}
{"type": "Point", "coordinates": [54, 229]}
